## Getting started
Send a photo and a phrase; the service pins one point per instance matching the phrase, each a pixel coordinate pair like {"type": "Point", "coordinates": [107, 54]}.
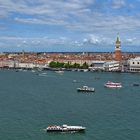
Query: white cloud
{"type": "Point", "coordinates": [130, 41]}
{"type": "Point", "coordinates": [43, 7]}
{"type": "Point", "coordinates": [93, 39]}
{"type": "Point", "coordinates": [117, 4]}
{"type": "Point", "coordinates": [40, 21]}
{"type": "Point", "coordinates": [75, 16]}
{"type": "Point", "coordinates": [29, 42]}
{"type": "Point", "coordinates": [77, 43]}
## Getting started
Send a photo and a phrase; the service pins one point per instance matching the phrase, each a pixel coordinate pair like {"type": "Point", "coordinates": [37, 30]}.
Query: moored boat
{"type": "Point", "coordinates": [113, 85]}
{"type": "Point", "coordinates": [65, 128]}
{"type": "Point", "coordinates": [86, 89]}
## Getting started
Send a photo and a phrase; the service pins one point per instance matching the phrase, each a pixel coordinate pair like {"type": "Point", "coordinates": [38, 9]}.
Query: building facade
{"type": "Point", "coordinates": [112, 66]}
{"type": "Point", "coordinates": [134, 64]}
{"type": "Point", "coordinates": [97, 65]}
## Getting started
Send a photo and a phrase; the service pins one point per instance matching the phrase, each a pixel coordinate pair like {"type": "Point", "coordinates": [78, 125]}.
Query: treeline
{"type": "Point", "coordinates": [68, 65]}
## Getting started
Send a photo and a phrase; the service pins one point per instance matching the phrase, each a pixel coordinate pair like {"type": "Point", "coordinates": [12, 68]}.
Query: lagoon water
{"type": "Point", "coordinates": [30, 102]}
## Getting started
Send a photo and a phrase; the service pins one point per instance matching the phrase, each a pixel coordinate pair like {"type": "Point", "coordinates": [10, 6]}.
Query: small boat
{"type": "Point", "coordinates": [85, 70]}
{"type": "Point", "coordinates": [43, 74]}
{"type": "Point", "coordinates": [136, 84]}
{"type": "Point", "coordinates": [32, 70]}
{"type": "Point", "coordinates": [65, 128]}
{"type": "Point", "coordinates": [74, 81]}
{"type": "Point", "coordinates": [86, 89]}
{"type": "Point", "coordinates": [113, 85]}
{"type": "Point", "coordinates": [59, 72]}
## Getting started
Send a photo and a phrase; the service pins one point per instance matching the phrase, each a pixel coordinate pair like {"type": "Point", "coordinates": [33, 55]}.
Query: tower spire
{"type": "Point", "coordinates": [118, 38]}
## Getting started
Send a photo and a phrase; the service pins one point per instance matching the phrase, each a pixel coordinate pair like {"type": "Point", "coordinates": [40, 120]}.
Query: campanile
{"type": "Point", "coordinates": [118, 54]}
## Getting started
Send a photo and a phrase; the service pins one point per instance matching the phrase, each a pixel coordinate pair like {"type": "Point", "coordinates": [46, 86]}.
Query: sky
{"type": "Point", "coordinates": [69, 25]}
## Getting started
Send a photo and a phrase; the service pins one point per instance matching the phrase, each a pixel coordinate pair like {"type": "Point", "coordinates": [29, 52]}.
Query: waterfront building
{"type": "Point", "coordinates": [118, 54]}
{"type": "Point", "coordinates": [124, 66]}
{"type": "Point", "coordinates": [25, 65]}
{"type": "Point", "coordinates": [134, 64]}
{"type": "Point", "coordinates": [112, 66]}
{"type": "Point", "coordinates": [97, 65]}
{"type": "Point", "coordinates": [7, 64]}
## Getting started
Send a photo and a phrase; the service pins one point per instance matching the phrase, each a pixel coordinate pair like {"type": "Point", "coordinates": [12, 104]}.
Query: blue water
{"type": "Point", "coordinates": [30, 102]}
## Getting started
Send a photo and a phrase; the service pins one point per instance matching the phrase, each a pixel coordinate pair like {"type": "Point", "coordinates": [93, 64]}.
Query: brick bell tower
{"type": "Point", "coordinates": [118, 54]}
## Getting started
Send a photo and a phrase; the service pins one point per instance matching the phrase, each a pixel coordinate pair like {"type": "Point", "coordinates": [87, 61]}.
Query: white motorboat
{"type": "Point", "coordinates": [86, 89]}
{"type": "Point", "coordinates": [65, 128]}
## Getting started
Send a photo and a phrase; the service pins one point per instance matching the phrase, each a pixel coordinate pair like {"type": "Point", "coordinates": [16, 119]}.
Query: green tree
{"type": "Point", "coordinates": [59, 65]}
{"type": "Point", "coordinates": [84, 66]}
{"type": "Point", "coordinates": [67, 65]}
{"type": "Point", "coordinates": [53, 64]}
{"type": "Point", "coordinates": [75, 65]}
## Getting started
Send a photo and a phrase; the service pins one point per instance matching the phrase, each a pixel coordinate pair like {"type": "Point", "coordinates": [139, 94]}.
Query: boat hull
{"type": "Point", "coordinates": [80, 90]}
{"type": "Point", "coordinates": [113, 86]}
{"type": "Point", "coordinates": [65, 128]}
{"type": "Point", "coordinates": [74, 130]}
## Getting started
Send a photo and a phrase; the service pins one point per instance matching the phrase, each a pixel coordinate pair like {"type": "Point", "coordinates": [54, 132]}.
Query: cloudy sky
{"type": "Point", "coordinates": [69, 25]}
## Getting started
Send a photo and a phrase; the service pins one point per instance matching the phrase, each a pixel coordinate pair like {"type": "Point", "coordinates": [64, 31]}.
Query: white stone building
{"type": "Point", "coordinates": [112, 66]}
{"type": "Point", "coordinates": [7, 64]}
{"type": "Point", "coordinates": [134, 64]}
{"type": "Point", "coordinates": [97, 65]}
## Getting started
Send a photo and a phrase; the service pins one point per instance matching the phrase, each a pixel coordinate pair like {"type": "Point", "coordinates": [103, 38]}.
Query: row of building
{"type": "Point", "coordinates": [117, 61]}
{"type": "Point", "coordinates": [132, 65]}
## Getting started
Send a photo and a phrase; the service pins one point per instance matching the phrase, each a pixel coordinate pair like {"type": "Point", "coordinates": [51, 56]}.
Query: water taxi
{"type": "Point", "coordinates": [113, 85]}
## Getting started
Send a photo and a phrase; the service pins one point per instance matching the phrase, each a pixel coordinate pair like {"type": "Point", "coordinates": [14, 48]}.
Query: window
{"type": "Point", "coordinates": [137, 62]}
{"type": "Point", "coordinates": [133, 62]}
